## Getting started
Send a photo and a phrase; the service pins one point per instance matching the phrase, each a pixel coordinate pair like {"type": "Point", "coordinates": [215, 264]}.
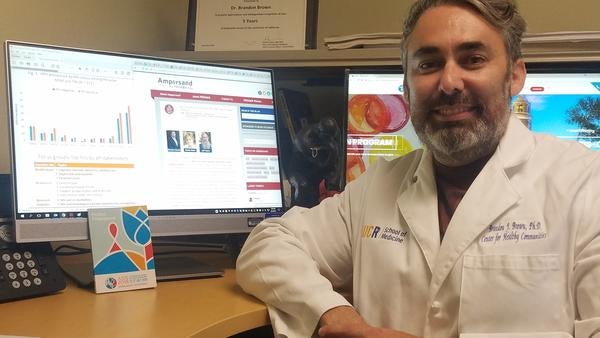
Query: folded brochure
{"type": "Point", "coordinates": [121, 249]}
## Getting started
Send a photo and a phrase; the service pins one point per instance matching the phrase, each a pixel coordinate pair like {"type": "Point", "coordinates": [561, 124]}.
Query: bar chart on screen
{"type": "Point", "coordinates": [121, 133]}
{"type": "Point", "coordinates": [78, 154]}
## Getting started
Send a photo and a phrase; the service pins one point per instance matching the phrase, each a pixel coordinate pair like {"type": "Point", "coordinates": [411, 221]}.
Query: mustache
{"type": "Point", "coordinates": [447, 102]}
{"type": "Point", "coordinates": [453, 100]}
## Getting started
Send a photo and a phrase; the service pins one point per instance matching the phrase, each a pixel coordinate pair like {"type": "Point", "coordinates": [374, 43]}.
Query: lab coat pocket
{"type": "Point", "coordinates": [509, 293]}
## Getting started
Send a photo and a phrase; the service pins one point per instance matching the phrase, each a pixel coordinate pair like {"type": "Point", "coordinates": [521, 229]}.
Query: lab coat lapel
{"type": "Point", "coordinates": [490, 195]}
{"type": "Point", "coordinates": [418, 206]}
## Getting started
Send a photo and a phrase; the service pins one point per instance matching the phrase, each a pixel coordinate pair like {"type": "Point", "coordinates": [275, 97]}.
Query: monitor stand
{"type": "Point", "coordinates": [183, 267]}
{"type": "Point", "coordinates": [168, 268]}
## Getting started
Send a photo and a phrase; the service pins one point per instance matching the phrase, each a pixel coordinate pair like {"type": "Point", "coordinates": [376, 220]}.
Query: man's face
{"type": "Point", "coordinates": [458, 83]}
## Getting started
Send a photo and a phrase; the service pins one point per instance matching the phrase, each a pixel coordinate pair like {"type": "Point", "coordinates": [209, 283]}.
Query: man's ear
{"type": "Point", "coordinates": [517, 80]}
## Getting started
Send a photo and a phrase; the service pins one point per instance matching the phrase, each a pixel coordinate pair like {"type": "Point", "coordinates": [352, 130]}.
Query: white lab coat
{"type": "Point", "coordinates": [520, 258]}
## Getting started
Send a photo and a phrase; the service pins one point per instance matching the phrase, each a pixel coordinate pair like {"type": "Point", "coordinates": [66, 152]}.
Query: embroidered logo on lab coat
{"type": "Point", "coordinates": [384, 233]}
{"type": "Point", "coordinates": [514, 232]}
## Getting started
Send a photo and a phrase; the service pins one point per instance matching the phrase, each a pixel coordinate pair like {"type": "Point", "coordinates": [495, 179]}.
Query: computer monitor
{"type": "Point", "coordinates": [194, 142]}
{"type": "Point", "coordinates": [378, 124]}
{"type": "Point", "coordinates": [562, 99]}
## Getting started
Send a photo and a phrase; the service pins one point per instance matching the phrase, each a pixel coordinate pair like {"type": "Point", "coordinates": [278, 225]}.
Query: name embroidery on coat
{"type": "Point", "coordinates": [513, 232]}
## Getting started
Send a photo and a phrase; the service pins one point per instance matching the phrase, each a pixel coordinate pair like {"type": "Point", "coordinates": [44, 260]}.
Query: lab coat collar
{"type": "Point", "coordinates": [516, 146]}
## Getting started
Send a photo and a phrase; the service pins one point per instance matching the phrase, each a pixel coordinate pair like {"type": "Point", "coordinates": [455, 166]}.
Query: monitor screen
{"type": "Point", "coordinates": [378, 123]}
{"type": "Point", "coordinates": [566, 105]}
{"type": "Point", "coordinates": [196, 143]}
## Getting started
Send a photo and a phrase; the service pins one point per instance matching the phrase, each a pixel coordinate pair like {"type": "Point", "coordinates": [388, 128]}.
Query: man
{"type": "Point", "coordinates": [490, 230]}
{"type": "Point", "coordinates": [205, 144]}
{"type": "Point", "coordinates": [173, 140]}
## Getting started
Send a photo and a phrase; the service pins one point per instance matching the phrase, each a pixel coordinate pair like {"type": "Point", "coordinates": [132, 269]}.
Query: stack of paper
{"type": "Point", "coordinates": [566, 36]}
{"type": "Point", "coordinates": [392, 39]}
{"type": "Point", "coordinates": [385, 39]}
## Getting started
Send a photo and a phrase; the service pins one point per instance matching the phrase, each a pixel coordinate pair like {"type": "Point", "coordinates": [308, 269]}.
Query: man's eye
{"type": "Point", "coordinates": [426, 66]}
{"type": "Point", "coordinates": [475, 60]}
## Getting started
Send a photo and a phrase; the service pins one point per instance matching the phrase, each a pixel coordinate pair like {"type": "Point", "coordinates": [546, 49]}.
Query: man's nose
{"type": "Point", "coordinates": [451, 81]}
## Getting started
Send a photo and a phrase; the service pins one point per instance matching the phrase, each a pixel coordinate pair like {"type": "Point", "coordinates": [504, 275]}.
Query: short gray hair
{"type": "Point", "coordinates": [502, 14]}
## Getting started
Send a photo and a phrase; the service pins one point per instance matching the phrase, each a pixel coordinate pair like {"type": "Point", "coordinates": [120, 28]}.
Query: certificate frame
{"type": "Point", "coordinates": [232, 25]}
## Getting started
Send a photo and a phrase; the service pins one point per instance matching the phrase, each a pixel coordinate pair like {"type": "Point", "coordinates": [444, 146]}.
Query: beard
{"type": "Point", "coordinates": [462, 142]}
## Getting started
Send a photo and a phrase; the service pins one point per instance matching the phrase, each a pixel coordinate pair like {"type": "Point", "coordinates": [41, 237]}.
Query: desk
{"type": "Point", "coordinates": [199, 308]}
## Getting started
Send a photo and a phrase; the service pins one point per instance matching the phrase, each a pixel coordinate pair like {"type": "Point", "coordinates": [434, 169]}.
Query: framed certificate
{"type": "Point", "coordinates": [229, 25]}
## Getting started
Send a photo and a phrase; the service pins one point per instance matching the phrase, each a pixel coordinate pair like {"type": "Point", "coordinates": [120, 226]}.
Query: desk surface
{"type": "Point", "coordinates": [212, 307]}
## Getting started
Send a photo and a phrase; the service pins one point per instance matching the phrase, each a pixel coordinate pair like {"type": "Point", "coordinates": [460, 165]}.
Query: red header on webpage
{"type": "Point", "coordinates": [263, 185]}
{"type": "Point", "coordinates": [260, 151]}
{"type": "Point", "coordinates": [208, 97]}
